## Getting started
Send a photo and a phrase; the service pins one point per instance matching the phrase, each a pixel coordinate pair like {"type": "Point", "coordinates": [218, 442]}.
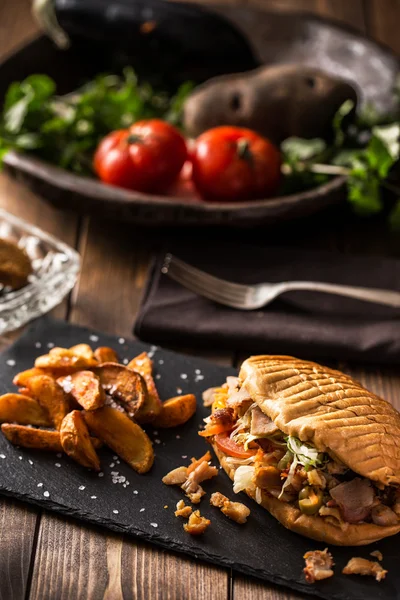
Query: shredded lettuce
{"type": "Point", "coordinates": [305, 454]}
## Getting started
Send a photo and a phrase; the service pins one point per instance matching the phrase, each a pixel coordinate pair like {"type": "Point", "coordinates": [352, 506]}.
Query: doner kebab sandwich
{"type": "Point", "coordinates": [312, 446]}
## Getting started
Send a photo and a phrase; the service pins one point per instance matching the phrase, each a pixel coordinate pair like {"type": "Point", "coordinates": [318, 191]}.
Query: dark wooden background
{"type": "Point", "coordinates": [45, 557]}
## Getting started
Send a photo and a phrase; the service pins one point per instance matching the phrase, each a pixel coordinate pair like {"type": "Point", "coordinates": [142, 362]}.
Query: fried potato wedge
{"type": "Point", "coordinates": [124, 385]}
{"type": "Point", "coordinates": [82, 350]}
{"type": "Point", "coordinates": [50, 397]}
{"type": "Point", "coordinates": [76, 442]}
{"type": "Point", "coordinates": [63, 361]}
{"type": "Point", "coordinates": [105, 354]}
{"type": "Point", "coordinates": [16, 408]}
{"type": "Point", "coordinates": [22, 379]}
{"type": "Point", "coordinates": [123, 436]}
{"type": "Point", "coordinates": [85, 388]}
{"type": "Point", "coordinates": [24, 391]}
{"type": "Point", "coordinates": [176, 411]}
{"type": "Point", "coordinates": [27, 437]}
{"type": "Point", "coordinates": [151, 408]}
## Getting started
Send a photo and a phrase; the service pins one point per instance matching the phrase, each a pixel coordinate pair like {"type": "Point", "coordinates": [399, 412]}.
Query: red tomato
{"type": "Point", "coordinates": [227, 445]}
{"type": "Point", "coordinates": [147, 157]}
{"type": "Point", "coordinates": [233, 163]}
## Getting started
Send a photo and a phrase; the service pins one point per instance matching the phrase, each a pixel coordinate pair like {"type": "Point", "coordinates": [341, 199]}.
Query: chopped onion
{"type": "Point", "coordinates": [243, 478]}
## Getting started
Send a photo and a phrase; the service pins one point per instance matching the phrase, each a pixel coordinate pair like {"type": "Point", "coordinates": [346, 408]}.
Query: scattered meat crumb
{"type": "Point", "coordinates": [236, 511]}
{"type": "Point", "coordinates": [189, 478]}
{"type": "Point", "coordinates": [319, 565]}
{"type": "Point", "coordinates": [377, 554]}
{"type": "Point", "coordinates": [176, 476]}
{"type": "Point", "coordinates": [363, 566]}
{"type": "Point", "coordinates": [182, 510]}
{"type": "Point", "coordinates": [196, 524]}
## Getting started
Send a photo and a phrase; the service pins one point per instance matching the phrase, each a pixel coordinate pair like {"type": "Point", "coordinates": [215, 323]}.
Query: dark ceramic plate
{"type": "Point", "coordinates": [276, 37]}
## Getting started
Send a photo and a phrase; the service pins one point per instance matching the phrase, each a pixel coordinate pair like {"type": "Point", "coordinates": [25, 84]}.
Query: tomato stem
{"type": "Point", "coordinates": [134, 139]}
{"type": "Point", "coordinates": [243, 150]}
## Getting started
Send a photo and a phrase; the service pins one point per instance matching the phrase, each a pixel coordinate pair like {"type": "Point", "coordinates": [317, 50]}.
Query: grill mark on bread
{"type": "Point", "coordinates": [329, 409]}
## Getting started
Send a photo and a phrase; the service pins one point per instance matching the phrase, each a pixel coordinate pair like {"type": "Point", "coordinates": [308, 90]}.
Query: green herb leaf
{"type": "Point", "coordinates": [364, 193]}
{"type": "Point", "coordinates": [299, 149]}
{"type": "Point", "coordinates": [344, 110]}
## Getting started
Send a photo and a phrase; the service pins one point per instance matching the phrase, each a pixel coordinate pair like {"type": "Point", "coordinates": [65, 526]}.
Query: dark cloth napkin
{"type": "Point", "coordinates": [308, 325]}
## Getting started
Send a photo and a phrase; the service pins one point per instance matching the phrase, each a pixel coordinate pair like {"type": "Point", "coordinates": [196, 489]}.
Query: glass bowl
{"type": "Point", "coordinates": [55, 270]}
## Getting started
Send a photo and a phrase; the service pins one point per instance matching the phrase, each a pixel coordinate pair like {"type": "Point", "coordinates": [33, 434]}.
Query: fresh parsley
{"type": "Point", "coordinates": [366, 156]}
{"type": "Point", "coordinates": [65, 130]}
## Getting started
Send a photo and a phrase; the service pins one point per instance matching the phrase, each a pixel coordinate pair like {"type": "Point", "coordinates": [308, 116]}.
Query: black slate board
{"type": "Point", "coordinates": [262, 547]}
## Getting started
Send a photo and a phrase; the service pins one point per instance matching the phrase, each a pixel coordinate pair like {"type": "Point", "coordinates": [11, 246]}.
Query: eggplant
{"type": "Point", "coordinates": [177, 40]}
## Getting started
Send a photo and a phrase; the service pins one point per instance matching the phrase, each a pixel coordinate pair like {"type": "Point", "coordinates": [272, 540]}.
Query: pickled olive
{"type": "Point", "coordinates": [310, 501]}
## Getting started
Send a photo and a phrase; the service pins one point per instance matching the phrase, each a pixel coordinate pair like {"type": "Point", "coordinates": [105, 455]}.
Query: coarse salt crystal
{"type": "Point", "coordinates": [115, 512]}
{"type": "Point", "coordinates": [115, 457]}
{"type": "Point", "coordinates": [112, 465]}
{"type": "Point", "coordinates": [184, 455]}
{"type": "Point", "coordinates": [38, 345]}
{"type": "Point", "coordinates": [10, 362]}
{"type": "Point", "coordinates": [161, 362]}
{"type": "Point", "coordinates": [183, 376]}
{"type": "Point", "coordinates": [94, 338]}
{"type": "Point", "coordinates": [142, 510]}
{"type": "Point", "coordinates": [101, 474]}
{"type": "Point", "coordinates": [30, 461]}
{"type": "Point", "coordinates": [40, 485]}
{"type": "Point", "coordinates": [154, 524]}
{"type": "Point", "coordinates": [50, 345]}
{"type": "Point", "coordinates": [2, 455]}
{"type": "Point", "coordinates": [93, 497]}
{"type": "Point", "coordinates": [20, 457]}
{"type": "Point", "coordinates": [178, 437]}
{"type": "Point", "coordinates": [121, 340]}
{"type": "Point", "coordinates": [46, 494]}
{"type": "Point", "coordinates": [125, 361]}
{"type": "Point", "coordinates": [179, 390]}
{"type": "Point", "coordinates": [135, 492]}
{"type": "Point", "coordinates": [81, 487]}
{"type": "Point", "coordinates": [158, 376]}
{"type": "Point", "coordinates": [57, 465]}
{"type": "Point", "coordinates": [197, 371]}
{"type": "Point", "coordinates": [157, 441]}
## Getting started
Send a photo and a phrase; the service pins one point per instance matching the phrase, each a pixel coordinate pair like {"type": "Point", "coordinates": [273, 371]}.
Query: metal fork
{"type": "Point", "coordinates": [251, 297]}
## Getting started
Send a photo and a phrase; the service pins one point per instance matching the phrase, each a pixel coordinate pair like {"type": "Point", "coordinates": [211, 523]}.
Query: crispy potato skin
{"type": "Point", "coordinates": [152, 406]}
{"type": "Point", "coordinates": [123, 436]}
{"type": "Point", "coordinates": [22, 379]}
{"type": "Point", "coordinates": [124, 385]}
{"type": "Point", "coordinates": [50, 397]}
{"type": "Point", "coordinates": [22, 410]}
{"type": "Point", "coordinates": [40, 439]}
{"type": "Point", "coordinates": [105, 354]}
{"type": "Point", "coordinates": [76, 442]}
{"type": "Point", "coordinates": [63, 361]}
{"type": "Point", "coordinates": [176, 411]}
{"type": "Point", "coordinates": [85, 389]}
{"type": "Point", "coordinates": [83, 350]}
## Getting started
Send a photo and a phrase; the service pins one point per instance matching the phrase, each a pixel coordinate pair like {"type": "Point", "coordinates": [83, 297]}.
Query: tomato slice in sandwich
{"type": "Point", "coordinates": [230, 447]}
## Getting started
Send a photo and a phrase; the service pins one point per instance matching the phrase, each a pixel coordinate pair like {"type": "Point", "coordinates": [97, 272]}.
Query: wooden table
{"type": "Point", "coordinates": [46, 557]}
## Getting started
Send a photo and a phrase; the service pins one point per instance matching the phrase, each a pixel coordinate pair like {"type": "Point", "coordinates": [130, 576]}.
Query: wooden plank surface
{"type": "Point", "coordinates": [51, 558]}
